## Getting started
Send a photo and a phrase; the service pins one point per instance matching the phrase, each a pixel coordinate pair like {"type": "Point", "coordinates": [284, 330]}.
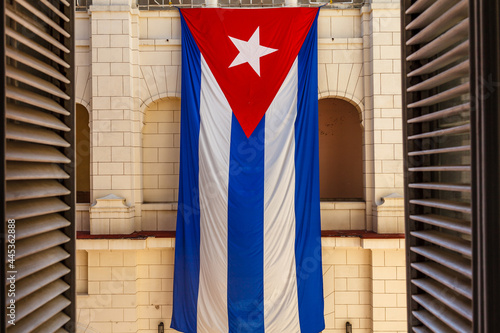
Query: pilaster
{"type": "Point", "coordinates": [116, 130]}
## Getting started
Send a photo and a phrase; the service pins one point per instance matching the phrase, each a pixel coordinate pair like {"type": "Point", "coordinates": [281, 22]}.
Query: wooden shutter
{"type": "Point", "coordinates": [451, 106]}
{"type": "Point", "coordinates": [38, 99]}
{"type": "Point", "coordinates": [437, 112]}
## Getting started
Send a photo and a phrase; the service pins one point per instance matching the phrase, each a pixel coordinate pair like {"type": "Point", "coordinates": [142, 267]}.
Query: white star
{"type": "Point", "coordinates": [250, 51]}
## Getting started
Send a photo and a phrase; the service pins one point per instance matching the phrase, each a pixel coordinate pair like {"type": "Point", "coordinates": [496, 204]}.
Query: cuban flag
{"type": "Point", "coordinates": [248, 246]}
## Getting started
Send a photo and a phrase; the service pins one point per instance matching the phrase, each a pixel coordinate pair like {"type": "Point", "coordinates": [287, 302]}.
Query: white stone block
{"type": "Point", "coordinates": [390, 52]}
{"type": "Point", "coordinates": [101, 182]}
{"type": "Point", "coordinates": [382, 66]}
{"type": "Point", "coordinates": [110, 85]}
{"type": "Point", "coordinates": [343, 27]}
{"type": "Point", "coordinates": [159, 28]}
{"type": "Point", "coordinates": [109, 27]}
{"type": "Point", "coordinates": [121, 154]}
{"type": "Point", "coordinates": [391, 84]}
{"type": "Point", "coordinates": [120, 68]}
{"type": "Point", "coordinates": [101, 41]}
{"type": "Point", "coordinates": [390, 24]}
{"type": "Point", "coordinates": [384, 152]}
{"type": "Point", "coordinates": [384, 180]}
{"type": "Point", "coordinates": [394, 136]}
{"type": "Point", "coordinates": [324, 27]}
{"type": "Point", "coordinates": [105, 54]}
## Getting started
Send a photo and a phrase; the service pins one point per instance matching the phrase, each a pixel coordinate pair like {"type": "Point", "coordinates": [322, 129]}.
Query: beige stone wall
{"type": "Point", "coordinates": [128, 77]}
{"type": "Point", "coordinates": [160, 151]}
{"type": "Point", "coordinates": [382, 99]}
{"type": "Point", "coordinates": [129, 285]}
{"type": "Point", "coordinates": [128, 67]}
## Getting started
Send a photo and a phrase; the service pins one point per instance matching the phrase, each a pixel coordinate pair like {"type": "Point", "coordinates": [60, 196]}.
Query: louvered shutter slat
{"type": "Point", "coordinates": [454, 110]}
{"type": "Point", "coordinates": [30, 189]}
{"type": "Point", "coordinates": [55, 10]}
{"type": "Point", "coordinates": [443, 96]}
{"type": "Point", "coordinates": [457, 34]}
{"type": "Point", "coordinates": [450, 318]}
{"type": "Point", "coordinates": [37, 207]}
{"type": "Point", "coordinates": [43, 17]}
{"type": "Point", "coordinates": [32, 26]}
{"type": "Point", "coordinates": [35, 63]}
{"type": "Point", "coordinates": [439, 151]}
{"type": "Point", "coordinates": [458, 303]}
{"type": "Point", "coordinates": [434, 27]}
{"type": "Point", "coordinates": [444, 222]}
{"type": "Point", "coordinates": [450, 260]}
{"type": "Point", "coordinates": [40, 224]}
{"type": "Point", "coordinates": [431, 14]}
{"type": "Point", "coordinates": [442, 186]}
{"type": "Point", "coordinates": [447, 131]}
{"type": "Point", "coordinates": [40, 242]}
{"type": "Point", "coordinates": [456, 53]}
{"type": "Point", "coordinates": [441, 168]}
{"type": "Point", "coordinates": [419, 6]}
{"type": "Point", "coordinates": [34, 81]}
{"type": "Point", "coordinates": [35, 135]}
{"type": "Point", "coordinates": [458, 71]}
{"type": "Point", "coordinates": [35, 319]}
{"type": "Point", "coordinates": [40, 260]}
{"type": "Point", "coordinates": [54, 323]}
{"type": "Point", "coordinates": [35, 46]}
{"type": "Point", "coordinates": [31, 152]}
{"type": "Point", "coordinates": [23, 170]}
{"type": "Point", "coordinates": [61, 330]}
{"type": "Point", "coordinates": [35, 117]}
{"type": "Point", "coordinates": [447, 241]}
{"type": "Point", "coordinates": [445, 276]}
{"type": "Point", "coordinates": [444, 204]}
{"type": "Point", "coordinates": [39, 298]}
{"type": "Point", "coordinates": [432, 322]}
{"type": "Point", "coordinates": [32, 98]}
{"type": "Point", "coordinates": [40, 279]}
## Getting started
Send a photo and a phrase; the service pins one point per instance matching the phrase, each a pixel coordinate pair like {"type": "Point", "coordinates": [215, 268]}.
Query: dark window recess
{"type": "Point", "coordinates": [82, 155]}
{"type": "Point", "coordinates": [444, 142]}
{"type": "Point", "coordinates": [340, 150]}
{"type": "Point", "coordinates": [38, 146]}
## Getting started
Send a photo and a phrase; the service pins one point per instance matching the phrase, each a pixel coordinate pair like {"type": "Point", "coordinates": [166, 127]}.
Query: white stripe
{"type": "Point", "coordinates": [281, 311]}
{"type": "Point", "coordinates": [214, 147]}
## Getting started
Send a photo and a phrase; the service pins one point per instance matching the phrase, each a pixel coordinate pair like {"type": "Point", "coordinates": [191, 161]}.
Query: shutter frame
{"type": "Point", "coordinates": [485, 58]}
{"type": "Point", "coordinates": [3, 214]}
{"type": "Point", "coordinates": [476, 277]}
{"type": "Point", "coordinates": [436, 77]}
{"type": "Point", "coordinates": [38, 96]}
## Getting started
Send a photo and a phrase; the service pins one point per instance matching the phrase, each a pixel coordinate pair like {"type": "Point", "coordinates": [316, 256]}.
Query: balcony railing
{"type": "Point", "coordinates": [168, 4]}
{"type": "Point", "coordinates": [83, 5]}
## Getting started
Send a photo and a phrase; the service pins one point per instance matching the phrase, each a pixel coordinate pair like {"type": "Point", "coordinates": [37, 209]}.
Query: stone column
{"type": "Point", "coordinates": [384, 160]}
{"type": "Point", "coordinates": [115, 109]}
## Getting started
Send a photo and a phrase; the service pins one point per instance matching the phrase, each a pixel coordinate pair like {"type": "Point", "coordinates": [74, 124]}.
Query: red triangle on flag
{"type": "Point", "coordinates": [250, 52]}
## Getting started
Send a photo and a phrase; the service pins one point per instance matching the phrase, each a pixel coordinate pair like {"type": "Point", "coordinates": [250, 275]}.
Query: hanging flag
{"type": "Point", "coordinates": [248, 246]}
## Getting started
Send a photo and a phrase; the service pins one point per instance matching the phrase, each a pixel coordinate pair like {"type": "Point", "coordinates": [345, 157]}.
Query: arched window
{"type": "Point", "coordinates": [82, 158]}
{"type": "Point", "coordinates": [340, 151]}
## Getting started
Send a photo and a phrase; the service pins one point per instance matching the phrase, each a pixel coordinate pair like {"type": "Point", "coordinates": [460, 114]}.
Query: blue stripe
{"type": "Point", "coordinates": [307, 206]}
{"type": "Point", "coordinates": [245, 287]}
{"type": "Point", "coordinates": [187, 241]}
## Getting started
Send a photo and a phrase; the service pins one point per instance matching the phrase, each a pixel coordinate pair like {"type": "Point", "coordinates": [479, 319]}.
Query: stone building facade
{"type": "Point", "coordinates": [128, 114]}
